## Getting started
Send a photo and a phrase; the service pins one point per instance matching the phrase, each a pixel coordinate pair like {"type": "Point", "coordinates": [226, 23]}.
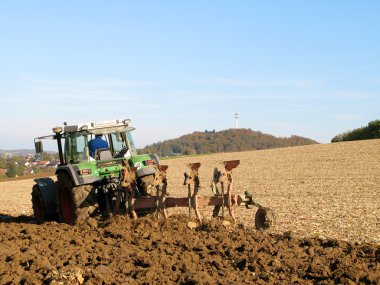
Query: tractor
{"type": "Point", "coordinates": [84, 184]}
{"type": "Point", "coordinates": [116, 180]}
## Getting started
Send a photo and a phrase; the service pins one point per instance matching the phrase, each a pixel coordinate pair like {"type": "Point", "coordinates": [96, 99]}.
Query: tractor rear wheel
{"type": "Point", "coordinates": [264, 218]}
{"type": "Point", "coordinates": [76, 204]}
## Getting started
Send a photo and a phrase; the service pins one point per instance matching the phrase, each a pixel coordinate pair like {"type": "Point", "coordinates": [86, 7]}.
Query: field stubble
{"type": "Point", "coordinates": [328, 190]}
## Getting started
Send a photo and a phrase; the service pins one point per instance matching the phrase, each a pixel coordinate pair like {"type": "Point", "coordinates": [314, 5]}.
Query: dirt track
{"type": "Point", "coordinates": [319, 193]}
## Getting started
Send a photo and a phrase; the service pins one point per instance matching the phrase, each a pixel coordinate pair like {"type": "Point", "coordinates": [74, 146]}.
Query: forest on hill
{"type": "Point", "coordinates": [371, 131]}
{"type": "Point", "coordinates": [224, 141]}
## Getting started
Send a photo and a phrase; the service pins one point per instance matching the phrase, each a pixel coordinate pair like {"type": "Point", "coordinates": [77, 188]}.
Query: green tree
{"type": "Point", "coordinates": [3, 163]}
{"type": "Point", "coordinates": [11, 169]}
{"type": "Point", "coordinates": [20, 170]}
{"type": "Point", "coordinates": [371, 131]}
{"type": "Point", "coordinates": [46, 156]}
{"type": "Point", "coordinates": [189, 150]}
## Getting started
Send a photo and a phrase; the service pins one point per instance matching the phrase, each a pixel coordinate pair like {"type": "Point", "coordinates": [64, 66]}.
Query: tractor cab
{"type": "Point", "coordinates": [86, 164]}
{"type": "Point", "coordinates": [116, 134]}
{"type": "Point", "coordinates": [118, 144]}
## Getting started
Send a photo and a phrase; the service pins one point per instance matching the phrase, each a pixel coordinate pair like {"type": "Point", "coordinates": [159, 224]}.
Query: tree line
{"type": "Point", "coordinates": [371, 131]}
{"type": "Point", "coordinates": [224, 141]}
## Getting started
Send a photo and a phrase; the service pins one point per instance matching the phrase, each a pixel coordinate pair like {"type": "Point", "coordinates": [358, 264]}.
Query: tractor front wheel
{"type": "Point", "coordinates": [76, 204]}
{"type": "Point", "coordinates": [38, 204]}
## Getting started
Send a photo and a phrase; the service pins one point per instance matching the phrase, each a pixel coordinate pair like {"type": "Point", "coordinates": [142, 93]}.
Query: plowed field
{"type": "Point", "coordinates": [327, 204]}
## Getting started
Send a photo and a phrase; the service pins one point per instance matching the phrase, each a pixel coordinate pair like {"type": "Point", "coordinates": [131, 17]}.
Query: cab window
{"type": "Point", "coordinates": [76, 148]}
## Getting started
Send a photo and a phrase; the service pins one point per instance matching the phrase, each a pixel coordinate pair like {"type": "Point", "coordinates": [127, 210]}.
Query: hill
{"type": "Point", "coordinates": [17, 151]}
{"type": "Point", "coordinates": [223, 141]}
{"type": "Point", "coordinates": [22, 152]}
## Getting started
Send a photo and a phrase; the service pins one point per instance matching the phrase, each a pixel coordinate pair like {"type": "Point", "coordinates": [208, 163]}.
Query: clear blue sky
{"type": "Point", "coordinates": [310, 68]}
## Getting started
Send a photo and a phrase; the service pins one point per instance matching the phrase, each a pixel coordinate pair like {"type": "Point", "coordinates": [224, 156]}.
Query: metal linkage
{"type": "Point", "coordinates": [128, 188]}
{"type": "Point", "coordinates": [221, 186]}
{"type": "Point", "coordinates": [160, 183]}
{"type": "Point", "coordinates": [126, 193]}
{"type": "Point", "coordinates": [192, 179]}
{"type": "Point", "coordinates": [225, 179]}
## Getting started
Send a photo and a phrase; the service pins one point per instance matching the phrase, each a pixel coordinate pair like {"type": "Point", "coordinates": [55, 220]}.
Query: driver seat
{"type": "Point", "coordinates": [103, 154]}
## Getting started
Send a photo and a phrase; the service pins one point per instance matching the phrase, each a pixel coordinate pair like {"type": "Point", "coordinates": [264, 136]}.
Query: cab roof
{"type": "Point", "coordinates": [102, 127]}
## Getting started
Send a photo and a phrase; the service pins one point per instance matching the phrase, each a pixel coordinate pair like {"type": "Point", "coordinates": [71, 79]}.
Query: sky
{"type": "Point", "coordinates": [308, 68]}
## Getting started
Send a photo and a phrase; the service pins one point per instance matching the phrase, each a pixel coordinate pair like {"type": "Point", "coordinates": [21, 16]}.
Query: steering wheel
{"type": "Point", "coordinates": [121, 153]}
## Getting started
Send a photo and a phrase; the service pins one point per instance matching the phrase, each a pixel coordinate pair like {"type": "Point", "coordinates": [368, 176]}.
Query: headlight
{"type": "Point", "coordinates": [137, 165]}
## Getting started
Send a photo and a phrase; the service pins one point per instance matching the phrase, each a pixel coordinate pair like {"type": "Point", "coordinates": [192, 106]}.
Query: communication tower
{"type": "Point", "coordinates": [236, 120]}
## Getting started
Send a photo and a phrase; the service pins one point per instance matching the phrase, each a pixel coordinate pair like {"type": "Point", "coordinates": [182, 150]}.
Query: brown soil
{"type": "Point", "coordinates": [150, 251]}
{"type": "Point", "coordinates": [326, 199]}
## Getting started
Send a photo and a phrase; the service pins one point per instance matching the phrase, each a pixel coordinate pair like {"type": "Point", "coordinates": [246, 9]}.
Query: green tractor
{"type": "Point", "coordinates": [85, 183]}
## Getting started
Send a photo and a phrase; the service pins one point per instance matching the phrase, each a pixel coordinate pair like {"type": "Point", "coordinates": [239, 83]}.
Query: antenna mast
{"type": "Point", "coordinates": [236, 120]}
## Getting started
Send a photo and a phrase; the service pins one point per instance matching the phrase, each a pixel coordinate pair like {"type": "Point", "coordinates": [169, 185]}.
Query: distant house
{"type": "Point", "coordinates": [28, 171]}
{"type": "Point", "coordinates": [42, 163]}
{"type": "Point", "coordinates": [3, 171]}
{"type": "Point", "coordinates": [53, 164]}
{"type": "Point", "coordinates": [29, 156]}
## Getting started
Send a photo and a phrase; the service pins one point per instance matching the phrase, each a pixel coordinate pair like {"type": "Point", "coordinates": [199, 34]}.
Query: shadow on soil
{"type": "Point", "coordinates": [23, 219]}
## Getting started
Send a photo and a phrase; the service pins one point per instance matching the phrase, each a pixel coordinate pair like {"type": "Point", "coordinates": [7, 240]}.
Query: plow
{"type": "Point", "coordinates": [101, 174]}
{"type": "Point", "coordinates": [223, 200]}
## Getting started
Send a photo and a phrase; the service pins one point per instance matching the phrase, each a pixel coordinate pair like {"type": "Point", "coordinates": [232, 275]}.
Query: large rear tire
{"type": "Point", "coordinates": [76, 204]}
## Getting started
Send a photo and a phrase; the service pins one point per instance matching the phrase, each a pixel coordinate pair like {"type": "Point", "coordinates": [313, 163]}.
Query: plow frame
{"type": "Point", "coordinates": [222, 200]}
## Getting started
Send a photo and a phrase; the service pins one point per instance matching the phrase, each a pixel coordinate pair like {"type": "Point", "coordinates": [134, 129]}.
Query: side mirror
{"type": "Point", "coordinates": [38, 147]}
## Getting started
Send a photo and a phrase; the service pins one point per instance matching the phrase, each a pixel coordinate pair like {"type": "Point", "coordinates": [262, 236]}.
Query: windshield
{"type": "Point", "coordinates": [122, 144]}
{"type": "Point", "coordinates": [131, 143]}
{"type": "Point", "coordinates": [117, 142]}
